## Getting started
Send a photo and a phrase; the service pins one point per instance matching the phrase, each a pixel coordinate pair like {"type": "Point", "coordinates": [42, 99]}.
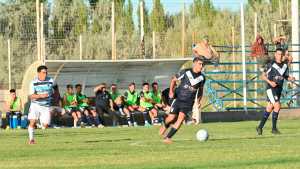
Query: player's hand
{"type": "Point", "coordinates": [171, 95]}
{"type": "Point", "coordinates": [44, 95]}
{"type": "Point", "coordinates": [273, 84]}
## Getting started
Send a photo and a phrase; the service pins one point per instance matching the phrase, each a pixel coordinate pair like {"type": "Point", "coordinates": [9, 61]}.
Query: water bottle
{"type": "Point", "coordinates": [14, 121]}
{"type": "Point", "coordinates": [10, 121]}
{"type": "Point", "coordinates": [24, 121]}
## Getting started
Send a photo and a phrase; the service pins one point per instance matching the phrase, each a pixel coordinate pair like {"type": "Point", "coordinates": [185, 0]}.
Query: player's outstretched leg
{"type": "Point", "coordinates": [174, 128]}
{"type": "Point", "coordinates": [265, 117]}
{"type": "Point", "coordinates": [166, 124]}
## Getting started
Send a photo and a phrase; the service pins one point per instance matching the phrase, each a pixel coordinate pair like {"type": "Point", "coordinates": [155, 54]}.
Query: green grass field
{"type": "Point", "coordinates": [231, 145]}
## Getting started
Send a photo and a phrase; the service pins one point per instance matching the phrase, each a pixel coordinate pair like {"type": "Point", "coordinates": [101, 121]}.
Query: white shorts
{"type": "Point", "coordinates": [42, 113]}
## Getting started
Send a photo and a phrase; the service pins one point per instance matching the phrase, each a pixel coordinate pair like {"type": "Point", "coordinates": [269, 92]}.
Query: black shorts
{"type": "Point", "coordinates": [179, 106]}
{"type": "Point", "coordinates": [274, 94]}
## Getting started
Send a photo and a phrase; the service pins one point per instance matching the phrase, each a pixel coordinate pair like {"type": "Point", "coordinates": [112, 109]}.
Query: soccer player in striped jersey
{"type": "Point", "coordinates": [41, 91]}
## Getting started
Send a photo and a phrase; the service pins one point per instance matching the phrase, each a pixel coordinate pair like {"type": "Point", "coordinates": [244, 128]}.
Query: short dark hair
{"type": "Point", "coordinates": [113, 84]}
{"type": "Point", "coordinates": [154, 83]}
{"type": "Point", "coordinates": [78, 85]}
{"type": "Point", "coordinates": [69, 86]}
{"type": "Point", "coordinates": [132, 83]}
{"type": "Point", "coordinates": [279, 49]}
{"type": "Point", "coordinates": [42, 67]}
{"type": "Point", "coordinates": [145, 83]}
{"type": "Point", "coordinates": [12, 91]}
{"type": "Point", "coordinates": [198, 58]}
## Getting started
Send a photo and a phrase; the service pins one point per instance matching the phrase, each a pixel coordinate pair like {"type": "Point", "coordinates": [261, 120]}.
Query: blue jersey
{"type": "Point", "coordinates": [42, 87]}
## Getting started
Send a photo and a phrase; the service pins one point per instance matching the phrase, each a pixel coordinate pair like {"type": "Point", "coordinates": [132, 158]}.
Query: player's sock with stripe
{"type": "Point", "coordinates": [264, 119]}
{"type": "Point", "coordinates": [274, 120]}
{"type": "Point", "coordinates": [30, 133]}
{"type": "Point", "coordinates": [171, 132]}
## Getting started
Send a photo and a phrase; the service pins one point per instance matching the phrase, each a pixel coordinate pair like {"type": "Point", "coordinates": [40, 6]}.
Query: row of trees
{"type": "Point", "coordinates": [64, 21]}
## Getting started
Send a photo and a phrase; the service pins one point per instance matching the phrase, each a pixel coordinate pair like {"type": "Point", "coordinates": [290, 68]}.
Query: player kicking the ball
{"type": "Point", "coordinates": [41, 91]}
{"type": "Point", "coordinates": [191, 82]}
{"type": "Point", "coordinates": [274, 75]}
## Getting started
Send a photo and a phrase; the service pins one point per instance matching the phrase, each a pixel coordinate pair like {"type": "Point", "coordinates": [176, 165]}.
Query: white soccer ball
{"type": "Point", "coordinates": [202, 135]}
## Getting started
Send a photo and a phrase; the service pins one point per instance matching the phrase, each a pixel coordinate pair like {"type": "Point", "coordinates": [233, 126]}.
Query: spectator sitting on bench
{"type": "Point", "coordinates": [132, 101]}
{"type": "Point", "coordinates": [147, 105]}
{"type": "Point", "coordinates": [13, 106]}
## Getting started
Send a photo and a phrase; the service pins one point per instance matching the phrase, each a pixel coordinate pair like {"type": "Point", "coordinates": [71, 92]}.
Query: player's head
{"type": "Point", "coordinates": [131, 87]}
{"type": "Point", "coordinates": [78, 88]}
{"type": "Point", "coordinates": [154, 86]}
{"type": "Point", "coordinates": [198, 64]}
{"type": "Point", "coordinates": [145, 87]}
{"type": "Point", "coordinates": [12, 93]}
{"type": "Point", "coordinates": [278, 55]}
{"type": "Point", "coordinates": [42, 72]}
{"type": "Point", "coordinates": [70, 88]}
{"type": "Point", "coordinates": [113, 87]}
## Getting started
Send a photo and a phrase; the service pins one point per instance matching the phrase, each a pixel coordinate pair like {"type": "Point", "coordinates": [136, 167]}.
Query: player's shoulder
{"type": "Point", "coordinates": [49, 79]}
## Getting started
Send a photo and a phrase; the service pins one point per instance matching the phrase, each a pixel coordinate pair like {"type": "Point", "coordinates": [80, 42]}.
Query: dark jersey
{"type": "Point", "coordinates": [190, 82]}
{"type": "Point", "coordinates": [277, 72]}
{"type": "Point", "coordinates": [102, 98]}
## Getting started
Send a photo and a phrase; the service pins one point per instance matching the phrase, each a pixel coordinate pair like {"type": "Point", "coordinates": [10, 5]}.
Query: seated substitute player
{"type": "Point", "coordinates": [13, 106]}
{"type": "Point", "coordinates": [41, 91]}
{"type": "Point", "coordinates": [275, 74]}
{"type": "Point", "coordinates": [191, 81]}
{"type": "Point", "coordinates": [114, 92]}
{"type": "Point", "coordinates": [70, 105]}
{"type": "Point", "coordinates": [147, 105]}
{"type": "Point", "coordinates": [121, 110]}
{"type": "Point", "coordinates": [132, 101]}
{"type": "Point", "coordinates": [90, 115]}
